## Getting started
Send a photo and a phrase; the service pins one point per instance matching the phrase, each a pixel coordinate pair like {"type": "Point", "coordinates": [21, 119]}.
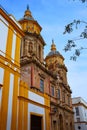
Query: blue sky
{"type": "Point", "coordinates": [53, 15]}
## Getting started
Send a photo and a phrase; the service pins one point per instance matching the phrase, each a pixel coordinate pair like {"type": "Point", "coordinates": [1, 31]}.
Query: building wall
{"type": "Point", "coordinates": [52, 71]}
{"type": "Point", "coordinates": [81, 118]}
{"type": "Point", "coordinates": [31, 73]}
{"type": "Point", "coordinates": [32, 102]}
{"type": "Point", "coordinates": [10, 39]}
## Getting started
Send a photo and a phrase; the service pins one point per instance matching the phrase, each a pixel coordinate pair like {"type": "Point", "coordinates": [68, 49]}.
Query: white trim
{"type": "Point", "coordinates": [9, 117]}
{"type": "Point", "coordinates": [3, 36]}
{"type": "Point", "coordinates": [13, 46]}
{"type": "Point", "coordinates": [1, 75]}
{"type": "Point", "coordinates": [0, 97]}
{"type": "Point", "coordinates": [35, 97]}
{"type": "Point", "coordinates": [1, 82]}
{"type": "Point", "coordinates": [4, 20]}
{"type": "Point", "coordinates": [35, 109]}
{"type": "Point", "coordinates": [15, 21]}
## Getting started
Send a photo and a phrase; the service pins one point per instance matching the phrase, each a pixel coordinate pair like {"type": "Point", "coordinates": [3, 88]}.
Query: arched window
{"type": "Point", "coordinates": [41, 85]}
{"type": "Point", "coordinates": [30, 47]}
{"type": "Point", "coordinates": [39, 51]}
{"type": "Point", "coordinates": [63, 96]}
{"type": "Point", "coordinates": [52, 90]}
{"type": "Point", "coordinates": [58, 95]}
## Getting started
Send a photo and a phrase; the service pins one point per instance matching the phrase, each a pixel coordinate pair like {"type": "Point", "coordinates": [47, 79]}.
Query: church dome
{"type": "Point", "coordinates": [29, 24]}
{"type": "Point", "coordinates": [54, 57]}
{"type": "Point", "coordinates": [27, 15]}
{"type": "Point", "coordinates": [53, 51]}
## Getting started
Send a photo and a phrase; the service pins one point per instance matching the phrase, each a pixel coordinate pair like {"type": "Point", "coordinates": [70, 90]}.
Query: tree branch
{"type": "Point", "coordinates": [71, 43]}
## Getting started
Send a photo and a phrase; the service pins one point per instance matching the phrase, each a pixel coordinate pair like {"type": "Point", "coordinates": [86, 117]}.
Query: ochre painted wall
{"type": "Point", "coordinates": [10, 37]}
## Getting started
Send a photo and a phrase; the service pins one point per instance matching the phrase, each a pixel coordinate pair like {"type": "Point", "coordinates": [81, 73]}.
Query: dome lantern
{"type": "Point", "coordinates": [53, 46]}
{"type": "Point", "coordinates": [27, 12]}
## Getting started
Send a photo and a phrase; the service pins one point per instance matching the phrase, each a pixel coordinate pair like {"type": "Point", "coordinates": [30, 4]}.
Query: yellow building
{"type": "Point", "coordinates": [10, 40]}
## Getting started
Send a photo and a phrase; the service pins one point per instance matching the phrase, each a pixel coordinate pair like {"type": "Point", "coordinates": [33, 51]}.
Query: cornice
{"type": "Point", "coordinates": [54, 55]}
{"type": "Point", "coordinates": [33, 21]}
{"type": "Point", "coordinates": [80, 104]}
{"type": "Point", "coordinates": [62, 107]}
{"type": "Point", "coordinates": [38, 36]}
{"type": "Point", "coordinates": [66, 87]}
{"type": "Point", "coordinates": [7, 17]}
{"type": "Point", "coordinates": [62, 66]}
{"type": "Point", "coordinates": [42, 66]}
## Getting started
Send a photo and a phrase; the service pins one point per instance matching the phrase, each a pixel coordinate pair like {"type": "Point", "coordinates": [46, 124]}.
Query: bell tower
{"type": "Point", "coordinates": [55, 63]}
{"type": "Point", "coordinates": [33, 43]}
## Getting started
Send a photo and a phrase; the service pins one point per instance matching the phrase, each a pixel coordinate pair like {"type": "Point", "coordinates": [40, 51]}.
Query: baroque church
{"type": "Point", "coordinates": [47, 76]}
{"type": "Point", "coordinates": [39, 97]}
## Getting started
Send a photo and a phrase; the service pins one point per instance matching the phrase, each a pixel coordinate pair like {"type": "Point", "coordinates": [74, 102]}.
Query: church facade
{"type": "Point", "coordinates": [38, 97]}
{"type": "Point", "coordinates": [46, 76]}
